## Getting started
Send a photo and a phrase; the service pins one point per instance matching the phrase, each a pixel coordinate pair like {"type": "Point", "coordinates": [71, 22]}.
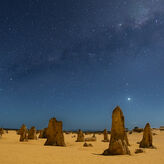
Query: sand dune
{"type": "Point", "coordinates": [34, 152]}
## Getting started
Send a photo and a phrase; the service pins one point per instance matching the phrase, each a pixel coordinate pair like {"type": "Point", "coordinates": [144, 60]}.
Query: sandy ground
{"type": "Point", "coordinates": [33, 152]}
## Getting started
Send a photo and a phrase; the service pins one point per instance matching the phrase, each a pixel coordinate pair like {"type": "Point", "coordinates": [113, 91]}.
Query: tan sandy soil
{"type": "Point", "coordinates": [33, 152]}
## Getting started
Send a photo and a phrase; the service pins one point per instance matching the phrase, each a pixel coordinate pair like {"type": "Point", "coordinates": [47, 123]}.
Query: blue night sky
{"type": "Point", "coordinates": [77, 59]}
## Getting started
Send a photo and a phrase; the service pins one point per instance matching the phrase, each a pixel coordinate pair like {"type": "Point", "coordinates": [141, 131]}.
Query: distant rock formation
{"type": "Point", "coordinates": [93, 138]}
{"type": "Point", "coordinates": [66, 132]}
{"type": "Point", "coordinates": [161, 128]}
{"type": "Point", "coordinates": [147, 140]}
{"type": "Point", "coordinates": [1, 131]}
{"type": "Point", "coordinates": [105, 133]}
{"type": "Point", "coordinates": [137, 129]}
{"type": "Point", "coordinates": [80, 136]}
{"type": "Point", "coordinates": [118, 142]}
{"type": "Point", "coordinates": [54, 133]}
{"type": "Point", "coordinates": [42, 133]}
{"type": "Point", "coordinates": [17, 132]}
{"type": "Point", "coordinates": [23, 132]}
{"type": "Point", "coordinates": [32, 134]}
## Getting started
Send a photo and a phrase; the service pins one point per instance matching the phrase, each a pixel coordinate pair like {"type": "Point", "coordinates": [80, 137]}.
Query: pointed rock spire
{"type": "Point", "coordinates": [118, 141]}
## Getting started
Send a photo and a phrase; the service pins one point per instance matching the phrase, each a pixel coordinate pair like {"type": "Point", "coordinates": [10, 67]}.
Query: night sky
{"type": "Point", "coordinates": [77, 59]}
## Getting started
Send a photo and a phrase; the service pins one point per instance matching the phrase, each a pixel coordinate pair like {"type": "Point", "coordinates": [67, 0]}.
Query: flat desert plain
{"type": "Point", "coordinates": [34, 152]}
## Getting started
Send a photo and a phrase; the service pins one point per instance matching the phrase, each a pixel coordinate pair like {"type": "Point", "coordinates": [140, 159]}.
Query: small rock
{"type": "Point", "coordinates": [130, 132]}
{"type": "Point", "coordinates": [73, 136]}
{"type": "Point", "coordinates": [137, 151]}
{"type": "Point", "coordinates": [87, 145]}
{"type": "Point", "coordinates": [154, 134]}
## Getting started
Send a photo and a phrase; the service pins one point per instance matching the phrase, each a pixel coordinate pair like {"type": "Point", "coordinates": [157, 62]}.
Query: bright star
{"type": "Point", "coordinates": [129, 99]}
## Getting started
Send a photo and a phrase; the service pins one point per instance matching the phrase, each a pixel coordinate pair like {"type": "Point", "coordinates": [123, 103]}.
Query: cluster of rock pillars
{"type": "Point", "coordinates": [118, 143]}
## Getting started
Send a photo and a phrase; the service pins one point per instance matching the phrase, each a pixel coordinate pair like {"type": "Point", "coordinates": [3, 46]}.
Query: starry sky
{"type": "Point", "coordinates": [77, 59]}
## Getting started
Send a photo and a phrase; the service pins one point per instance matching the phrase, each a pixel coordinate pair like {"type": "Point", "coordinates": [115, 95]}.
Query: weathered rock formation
{"type": "Point", "coordinates": [118, 144]}
{"type": "Point", "coordinates": [42, 133]}
{"type": "Point", "coordinates": [147, 140]}
{"type": "Point", "coordinates": [105, 133]}
{"type": "Point", "coordinates": [1, 131]}
{"type": "Point", "coordinates": [32, 134]}
{"type": "Point", "coordinates": [54, 133]}
{"type": "Point", "coordinates": [93, 138]}
{"type": "Point", "coordinates": [80, 136]}
{"type": "Point", "coordinates": [23, 132]}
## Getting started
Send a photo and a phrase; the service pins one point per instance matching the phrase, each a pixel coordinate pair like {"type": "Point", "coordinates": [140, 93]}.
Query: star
{"type": "Point", "coordinates": [129, 99]}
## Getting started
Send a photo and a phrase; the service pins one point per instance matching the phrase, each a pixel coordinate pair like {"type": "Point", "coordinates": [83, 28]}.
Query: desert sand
{"type": "Point", "coordinates": [34, 152]}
